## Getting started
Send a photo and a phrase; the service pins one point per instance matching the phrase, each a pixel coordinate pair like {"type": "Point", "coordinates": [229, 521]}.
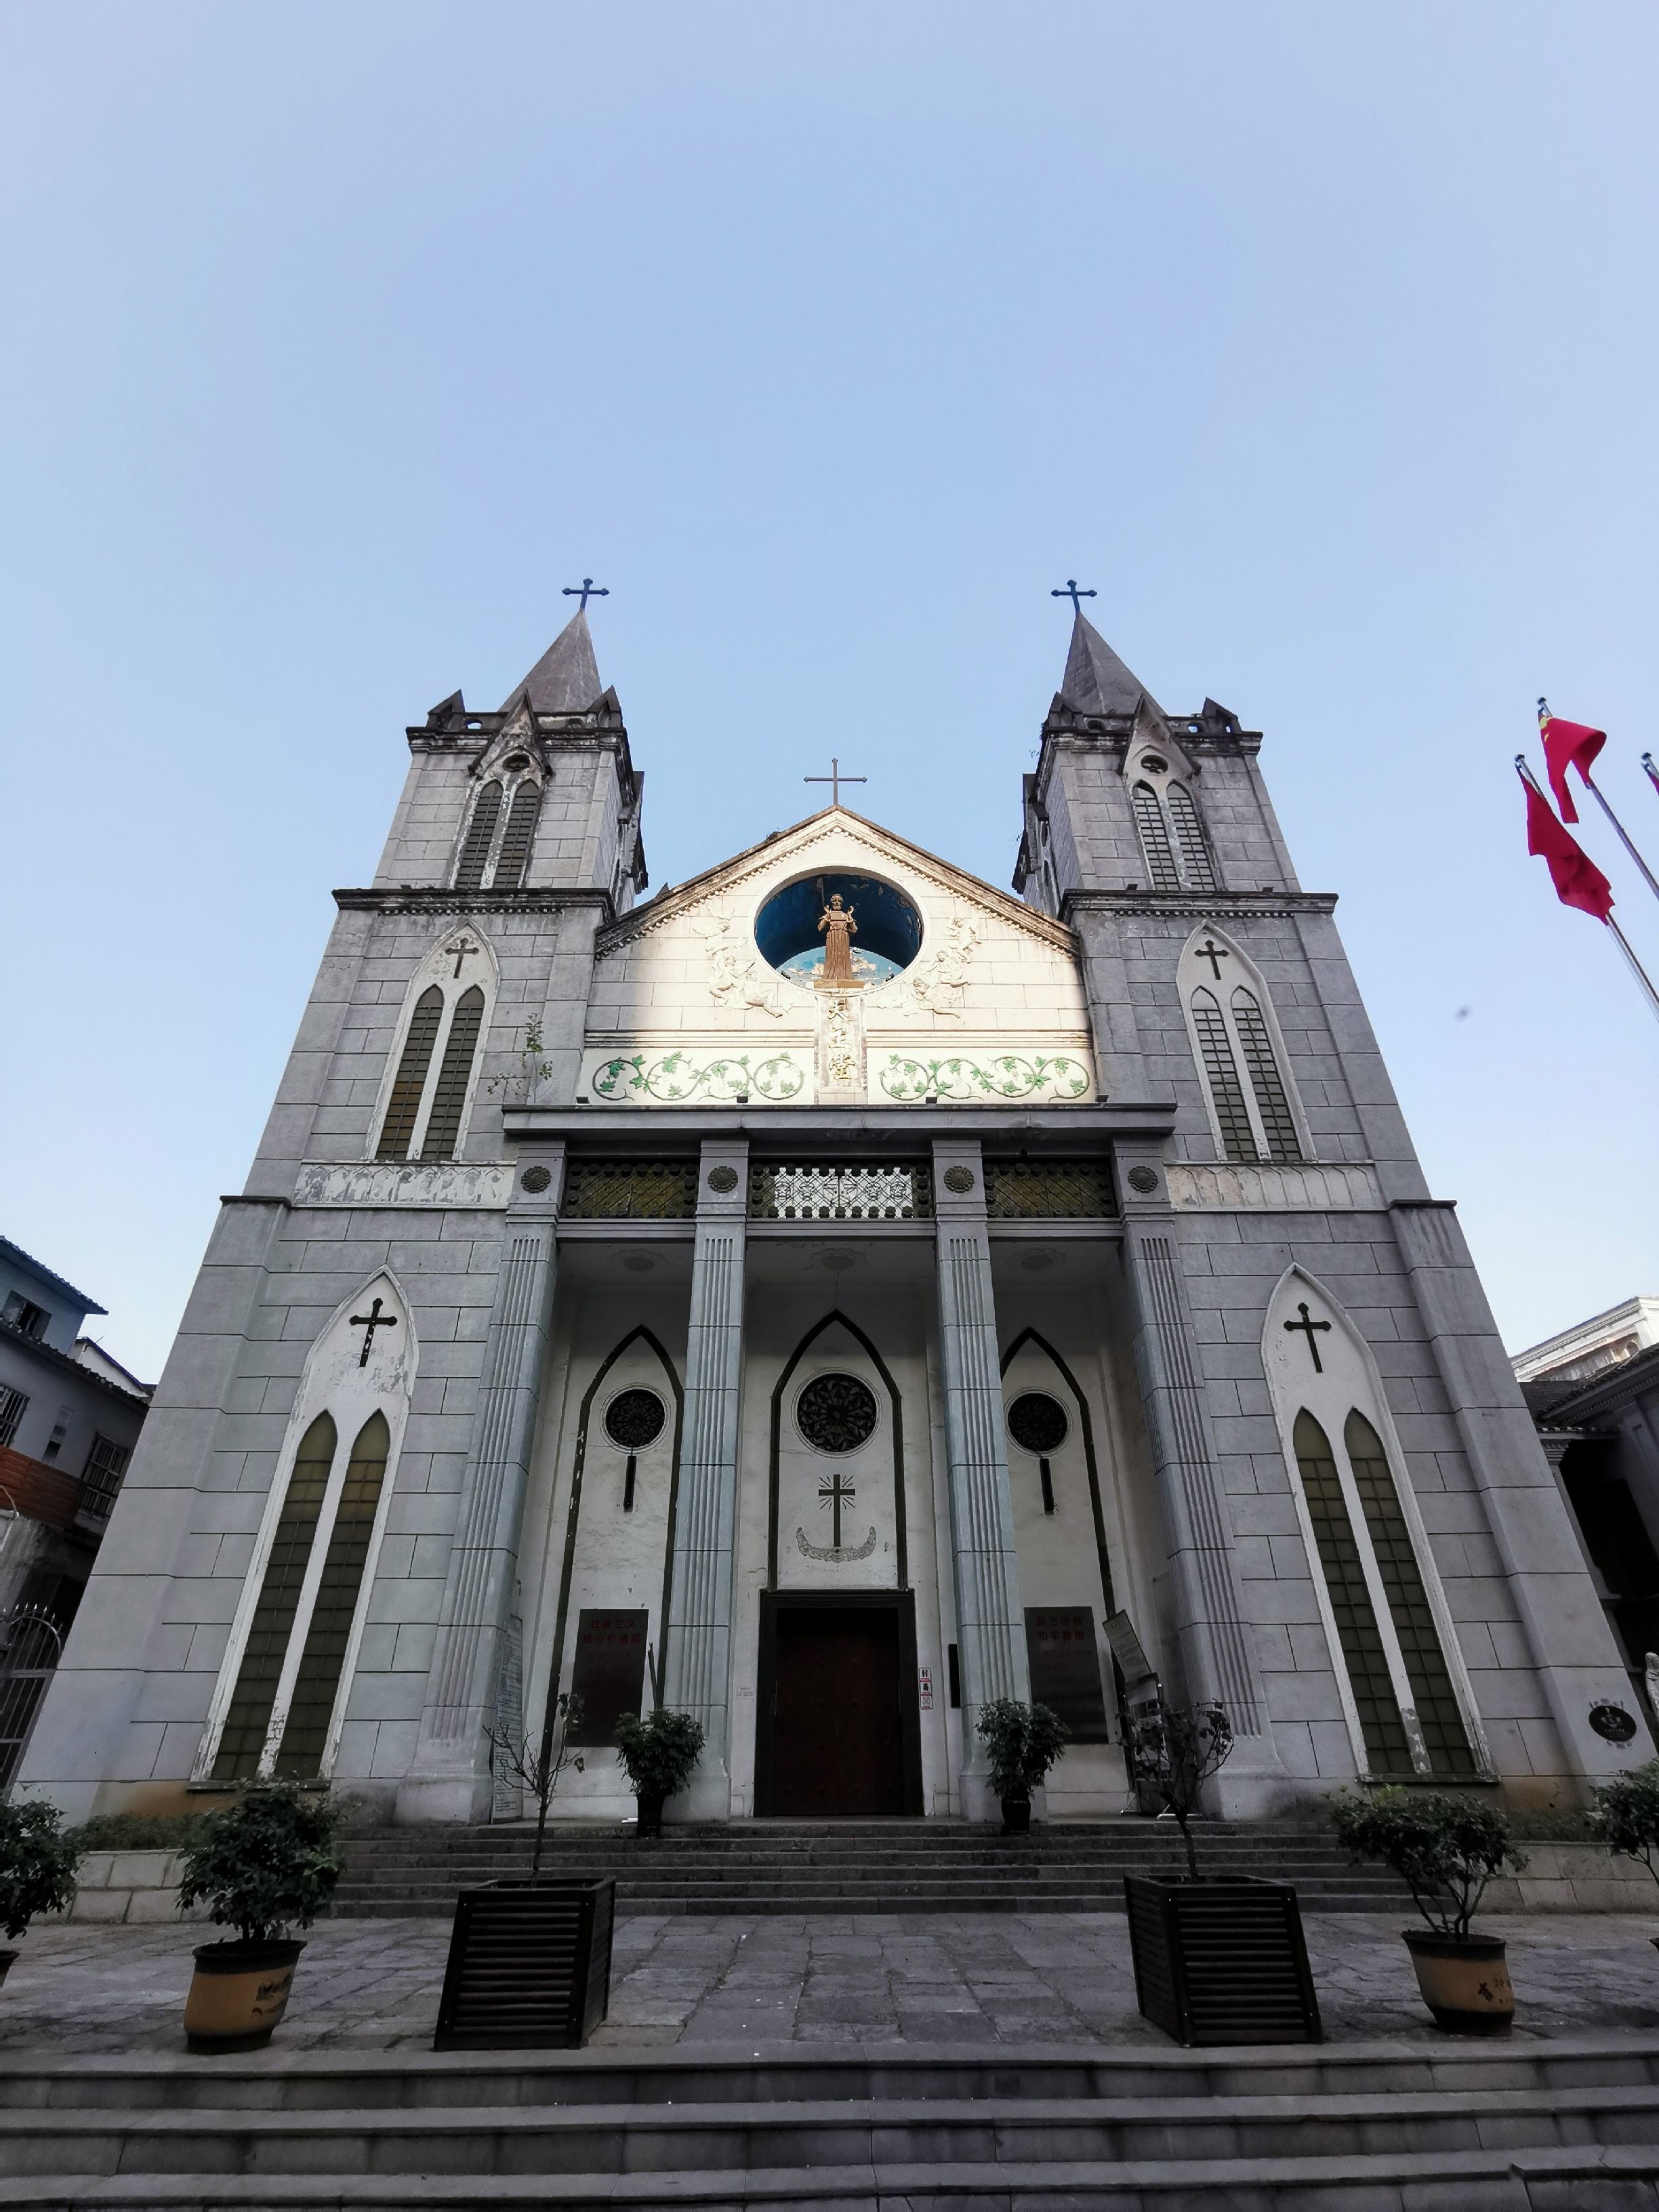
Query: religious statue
{"type": "Point", "coordinates": [838, 928]}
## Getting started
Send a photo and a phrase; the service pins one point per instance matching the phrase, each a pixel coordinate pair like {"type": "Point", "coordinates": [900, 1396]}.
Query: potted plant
{"type": "Point", "coordinates": [264, 1865]}
{"type": "Point", "coordinates": [1446, 1849]}
{"type": "Point", "coordinates": [37, 1869]}
{"type": "Point", "coordinates": [530, 1961]}
{"type": "Point", "coordinates": [1625, 1818]}
{"type": "Point", "coordinates": [659, 1752]}
{"type": "Point", "coordinates": [1215, 1962]}
{"type": "Point", "coordinates": [1022, 1742]}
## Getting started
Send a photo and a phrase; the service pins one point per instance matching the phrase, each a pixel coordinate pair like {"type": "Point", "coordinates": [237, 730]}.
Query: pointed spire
{"type": "Point", "coordinates": [566, 680]}
{"type": "Point", "coordinates": [1095, 681]}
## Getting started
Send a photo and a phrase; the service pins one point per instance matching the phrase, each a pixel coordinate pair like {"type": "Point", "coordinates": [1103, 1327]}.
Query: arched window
{"type": "Point", "coordinates": [449, 1099]}
{"type": "Point", "coordinates": [1221, 1073]}
{"type": "Point", "coordinates": [1197, 870]}
{"type": "Point", "coordinates": [1386, 1751]}
{"type": "Point", "coordinates": [480, 836]}
{"type": "Point", "coordinates": [1273, 1107]}
{"type": "Point", "coordinates": [1155, 839]}
{"type": "Point", "coordinates": [409, 1086]}
{"type": "Point", "coordinates": [517, 837]}
{"type": "Point", "coordinates": [242, 1743]}
{"type": "Point", "coordinates": [305, 1737]}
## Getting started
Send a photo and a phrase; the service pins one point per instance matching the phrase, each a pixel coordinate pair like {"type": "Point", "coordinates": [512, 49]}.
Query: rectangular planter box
{"type": "Point", "coordinates": [529, 1966]}
{"type": "Point", "coordinates": [1221, 1961]}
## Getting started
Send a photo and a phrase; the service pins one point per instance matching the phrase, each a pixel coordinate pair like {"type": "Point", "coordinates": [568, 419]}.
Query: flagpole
{"type": "Point", "coordinates": [1637, 969]}
{"type": "Point", "coordinates": [1649, 878]}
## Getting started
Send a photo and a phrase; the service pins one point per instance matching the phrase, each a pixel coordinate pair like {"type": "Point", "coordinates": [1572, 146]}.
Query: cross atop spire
{"type": "Point", "coordinates": [1095, 681]}
{"type": "Point", "coordinates": [566, 680]}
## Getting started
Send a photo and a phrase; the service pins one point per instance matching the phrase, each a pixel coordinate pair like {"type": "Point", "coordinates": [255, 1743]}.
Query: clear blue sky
{"type": "Point", "coordinates": [336, 339]}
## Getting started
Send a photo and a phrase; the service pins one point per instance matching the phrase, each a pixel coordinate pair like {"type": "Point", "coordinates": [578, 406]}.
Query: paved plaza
{"type": "Point", "coordinates": [730, 1981]}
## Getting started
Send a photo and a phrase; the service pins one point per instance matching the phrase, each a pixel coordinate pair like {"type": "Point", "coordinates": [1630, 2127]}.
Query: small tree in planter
{"type": "Point", "coordinates": [37, 1869]}
{"type": "Point", "coordinates": [1022, 1742]}
{"type": "Point", "coordinates": [659, 1752]}
{"type": "Point", "coordinates": [1446, 1849]}
{"type": "Point", "coordinates": [1625, 1818]}
{"type": "Point", "coordinates": [265, 1864]}
{"type": "Point", "coordinates": [1215, 1962]}
{"type": "Point", "coordinates": [1175, 1752]}
{"type": "Point", "coordinates": [537, 1765]}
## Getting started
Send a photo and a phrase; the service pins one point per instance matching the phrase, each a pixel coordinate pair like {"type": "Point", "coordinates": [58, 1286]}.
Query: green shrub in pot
{"type": "Point", "coordinates": [37, 1867]}
{"type": "Point", "coordinates": [1625, 1818]}
{"type": "Point", "coordinates": [264, 1865]}
{"type": "Point", "coordinates": [659, 1751]}
{"type": "Point", "coordinates": [1022, 1742]}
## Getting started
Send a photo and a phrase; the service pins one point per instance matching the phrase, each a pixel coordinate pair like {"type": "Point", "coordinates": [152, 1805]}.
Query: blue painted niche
{"type": "Point", "coordinates": [887, 939]}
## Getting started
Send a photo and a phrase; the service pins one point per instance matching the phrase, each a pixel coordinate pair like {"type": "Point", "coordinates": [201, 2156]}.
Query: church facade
{"type": "Point", "coordinates": [821, 1298]}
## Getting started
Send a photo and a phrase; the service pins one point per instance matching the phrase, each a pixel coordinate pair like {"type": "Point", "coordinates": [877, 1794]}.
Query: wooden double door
{"type": "Point", "coordinates": [839, 1733]}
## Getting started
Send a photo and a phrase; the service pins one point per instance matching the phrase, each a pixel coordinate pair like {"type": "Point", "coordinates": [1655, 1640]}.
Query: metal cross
{"type": "Point", "coordinates": [463, 950]}
{"type": "Point", "coordinates": [838, 1492]}
{"type": "Point", "coordinates": [588, 590]}
{"type": "Point", "coordinates": [1306, 1327]}
{"type": "Point", "coordinates": [835, 780]}
{"type": "Point", "coordinates": [374, 1319]}
{"type": "Point", "coordinates": [1072, 593]}
{"type": "Point", "coordinates": [1215, 954]}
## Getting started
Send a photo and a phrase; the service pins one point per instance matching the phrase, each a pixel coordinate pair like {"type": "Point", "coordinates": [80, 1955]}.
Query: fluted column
{"type": "Point", "coordinates": [450, 1778]}
{"type": "Point", "coordinates": [990, 1623]}
{"type": "Point", "coordinates": [698, 1676]}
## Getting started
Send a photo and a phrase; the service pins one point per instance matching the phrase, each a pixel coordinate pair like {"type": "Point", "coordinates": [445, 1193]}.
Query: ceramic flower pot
{"type": "Point", "coordinates": [648, 1818]}
{"type": "Point", "coordinates": [1464, 1980]}
{"type": "Point", "coordinates": [1017, 1816]}
{"type": "Point", "coordinates": [238, 1994]}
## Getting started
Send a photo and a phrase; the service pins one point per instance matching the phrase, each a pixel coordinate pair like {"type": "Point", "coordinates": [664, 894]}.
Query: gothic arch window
{"type": "Point", "coordinates": [287, 1671]}
{"type": "Point", "coordinates": [432, 1069]}
{"type": "Point", "coordinates": [1406, 1693]}
{"type": "Point", "coordinates": [1167, 820]}
{"type": "Point", "coordinates": [1254, 1111]}
{"type": "Point", "coordinates": [501, 832]}
{"type": "Point", "coordinates": [1193, 853]}
{"type": "Point", "coordinates": [1155, 841]}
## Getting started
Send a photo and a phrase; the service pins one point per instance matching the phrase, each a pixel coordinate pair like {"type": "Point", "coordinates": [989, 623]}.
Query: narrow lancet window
{"type": "Point", "coordinates": [449, 1099]}
{"type": "Point", "coordinates": [1197, 871]}
{"type": "Point", "coordinates": [518, 836]}
{"type": "Point", "coordinates": [1444, 1737]}
{"type": "Point", "coordinates": [1155, 839]}
{"type": "Point", "coordinates": [1278, 1123]}
{"type": "Point", "coordinates": [404, 1108]}
{"type": "Point", "coordinates": [305, 1738]}
{"type": "Point", "coordinates": [1386, 1751]}
{"type": "Point", "coordinates": [248, 1722]}
{"type": "Point", "coordinates": [1221, 1072]}
{"type": "Point", "coordinates": [480, 836]}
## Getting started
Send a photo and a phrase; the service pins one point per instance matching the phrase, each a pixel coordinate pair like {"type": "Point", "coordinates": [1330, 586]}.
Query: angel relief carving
{"type": "Point", "coordinates": [939, 986]}
{"type": "Point", "coordinates": [735, 977]}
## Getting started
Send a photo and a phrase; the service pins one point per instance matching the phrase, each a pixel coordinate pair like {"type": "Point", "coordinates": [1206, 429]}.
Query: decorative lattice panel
{"type": "Point", "coordinates": [631, 1190]}
{"type": "Point", "coordinates": [820, 1192]}
{"type": "Point", "coordinates": [1048, 1190]}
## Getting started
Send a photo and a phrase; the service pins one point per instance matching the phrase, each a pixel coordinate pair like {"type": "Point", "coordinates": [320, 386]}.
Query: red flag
{"type": "Point", "coordinates": [1567, 744]}
{"type": "Point", "coordinates": [1578, 882]}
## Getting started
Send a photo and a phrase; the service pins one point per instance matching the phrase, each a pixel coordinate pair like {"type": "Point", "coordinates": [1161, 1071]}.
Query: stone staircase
{"type": "Point", "coordinates": [850, 1866]}
{"type": "Point", "coordinates": [1568, 2126]}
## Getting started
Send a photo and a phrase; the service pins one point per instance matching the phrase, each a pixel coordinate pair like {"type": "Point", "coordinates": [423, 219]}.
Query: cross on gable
{"type": "Point", "coordinates": [836, 1491]}
{"type": "Point", "coordinates": [368, 1323]}
{"type": "Point", "coordinates": [462, 951]}
{"type": "Point", "coordinates": [835, 780]}
{"type": "Point", "coordinates": [1215, 954]}
{"type": "Point", "coordinates": [1306, 1327]}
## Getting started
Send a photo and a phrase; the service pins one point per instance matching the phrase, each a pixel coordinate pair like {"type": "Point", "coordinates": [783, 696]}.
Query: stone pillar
{"type": "Point", "coordinates": [990, 1624]}
{"type": "Point", "coordinates": [697, 1646]}
{"type": "Point", "coordinates": [450, 1778]}
{"type": "Point", "coordinates": [1215, 1647]}
{"type": "Point", "coordinates": [1572, 1643]}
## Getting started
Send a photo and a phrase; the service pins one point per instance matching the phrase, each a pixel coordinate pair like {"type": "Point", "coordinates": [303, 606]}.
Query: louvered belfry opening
{"type": "Point", "coordinates": [403, 1109]}
{"type": "Point", "coordinates": [443, 1124]}
{"type": "Point", "coordinates": [1221, 1072]}
{"type": "Point", "coordinates": [1197, 869]}
{"type": "Point", "coordinates": [1385, 1749]}
{"type": "Point", "coordinates": [305, 1738]}
{"type": "Point", "coordinates": [480, 836]}
{"type": "Point", "coordinates": [631, 1190]}
{"type": "Point", "coordinates": [1155, 839]}
{"type": "Point", "coordinates": [518, 837]}
{"type": "Point", "coordinates": [1278, 1123]}
{"type": "Point", "coordinates": [1437, 1712]}
{"type": "Point", "coordinates": [243, 1739]}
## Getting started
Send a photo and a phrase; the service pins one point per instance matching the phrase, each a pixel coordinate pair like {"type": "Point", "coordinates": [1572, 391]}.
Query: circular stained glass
{"type": "Point", "coordinates": [1037, 1422]}
{"type": "Point", "coordinates": [633, 1419]}
{"type": "Point", "coordinates": [837, 1413]}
